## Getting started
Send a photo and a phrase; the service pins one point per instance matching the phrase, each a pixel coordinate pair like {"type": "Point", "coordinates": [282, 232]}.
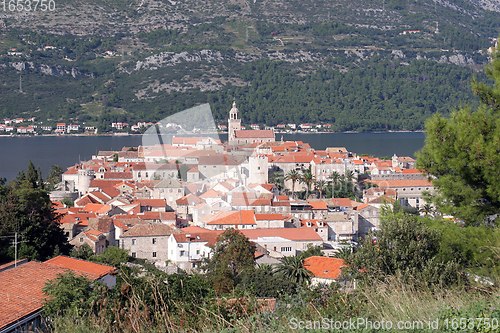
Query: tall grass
{"type": "Point", "coordinates": [392, 299]}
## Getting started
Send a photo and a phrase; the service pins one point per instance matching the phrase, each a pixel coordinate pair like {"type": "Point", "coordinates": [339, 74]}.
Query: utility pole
{"type": "Point", "coordinates": [246, 38]}
{"type": "Point", "coordinates": [15, 246]}
{"type": "Point", "coordinates": [15, 250]}
{"type": "Point", "coordinates": [20, 84]}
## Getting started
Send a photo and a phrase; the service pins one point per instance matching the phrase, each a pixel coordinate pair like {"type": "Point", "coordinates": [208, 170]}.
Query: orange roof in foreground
{"type": "Point", "coordinates": [324, 267]}
{"type": "Point", "coordinates": [91, 269]}
{"type": "Point", "coordinates": [21, 290]}
{"type": "Point", "coordinates": [21, 287]}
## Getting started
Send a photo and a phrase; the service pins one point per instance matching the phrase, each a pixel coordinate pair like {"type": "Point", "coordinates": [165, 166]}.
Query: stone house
{"type": "Point", "coordinates": [148, 241]}
{"type": "Point", "coordinates": [95, 239]}
{"type": "Point", "coordinates": [186, 250]}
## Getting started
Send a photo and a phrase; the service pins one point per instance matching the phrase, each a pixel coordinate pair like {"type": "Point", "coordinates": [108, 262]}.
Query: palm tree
{"type": "Point", "coordinates": [307, 178]}
{"type": "Point", "coordinates": [277, 179]}
{"type": "Point", "coordinates": [266, 268]}
{"type": "Point", "coordinates": [292, 268]}
{"type": "Point", "coordinates": [334, 178]}
{"type": "Point", "coordinates": [426, 209]}
{"type": "Point", "coordinates": [320, 185]}
{"type": "Point", "coordinates": [294, 176]}
{"type": "Point", "coordinates": [349, 175]}
{"type": "Point", "coordinates": [343, 253]}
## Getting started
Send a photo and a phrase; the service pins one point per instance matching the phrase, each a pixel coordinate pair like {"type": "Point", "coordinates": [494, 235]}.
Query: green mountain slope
{"type": "Point", "coordinates": [350, 64]}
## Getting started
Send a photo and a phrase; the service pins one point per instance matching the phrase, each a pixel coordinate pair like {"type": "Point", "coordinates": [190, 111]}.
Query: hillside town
{"type": "Point", "coordinates": [167, 203]}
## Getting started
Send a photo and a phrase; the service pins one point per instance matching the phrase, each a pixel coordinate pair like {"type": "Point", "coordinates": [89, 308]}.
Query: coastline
{"type": "Point", "coordinates": [195, 134]}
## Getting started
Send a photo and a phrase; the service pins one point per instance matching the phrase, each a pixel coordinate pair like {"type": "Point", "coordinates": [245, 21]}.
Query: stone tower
{"type": "Point", "coordinates": [85, 176]}
{"type": "Point", "coordinates": [234, 123]}
{"type": "Point", "coordinates": [258, 168]}
{"type": "Point", "coordinates": [395, 161]}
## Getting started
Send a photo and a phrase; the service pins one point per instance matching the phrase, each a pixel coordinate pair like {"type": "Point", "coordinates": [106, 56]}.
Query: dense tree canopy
{"type": "Point", "coordinates": [232, 254]}
{"type": "Point", "coordinates": [462, 155]}
{"type": "Point", "coordinates": [25, 208]}
{"type": "Point", "coordinates": [404, 247]}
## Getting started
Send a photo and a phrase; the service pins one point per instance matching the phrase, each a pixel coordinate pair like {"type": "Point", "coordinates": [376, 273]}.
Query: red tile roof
{"type": "Point", "coordinates": [21, 287]}
{"type": "Point", "coordinates": [324, 267]}
{"type": "Point", "coordinates": [189, 199]}
{"type": "Point", "coordinates": [110, 191]}
{"type": "Point", "coordinates": [151, 202]}
{"type": "Point", "coordinates": [90, 269]}
{"type": "Point", "coordinates": [409, 171]}
{"type": "Point", "coordinates": [86, 200]}
{"type": "Point", "coordinates": [162, 216]}
{"type": "Point", "coordinates": [380, 191]}
{"type": "Point", "coordinates": [194, 229]}
{"type": "Point", "coordinates": [100, 183]}
{"type": "Point", "coordinates": [118, 175]}
{"type": "Point", "coordinates": [100, 196]}
{"type": "Point", "coordinates": [57, 204]}
{"type": "Point", "coordinates": [146, 230]}
{"type": "Point", "coordinates": [402, 182]}
{"type": "Point", "coordinates": [232, 218]}
{"type": "Point", "coordinates": [210, 237]}
{"type": "Point", "coordinates": [21, 290]}
{"type": "Point", "coordinates": [341, 202]}
{"type": "Point", "coordinates": [93, 207]}
{"type": "Point", "coordinates": [265, 217]}
{"type": "Point", "coordinates": [318, 205]}
{"type": "Point", "coordinates": [251, 202]}
{"type": "Point", "coordinates": [93, 235]}
{"type": "Point", "coordinates": [249, 134]}
{"type": "Point", "coordinates": [362, 206]}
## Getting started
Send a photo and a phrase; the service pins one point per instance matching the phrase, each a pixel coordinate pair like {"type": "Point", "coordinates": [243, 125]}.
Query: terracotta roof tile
{"type": "Point", "coordinates": [232, 218]}
{"type": "Point", "coordinates": [402, 183]}
{"type": "Point", "coordinates": [146, 230]}
{"type": "Point", "coordinates": [90, 269]}
{"type": "Point", "coordinates": [409, 171]}
{"type": "Point", "coordinates": [100, 196]}
{"type": "Point", "coordinates": [21, 287]}
{"type": "Point", "coordinates": [118, 175]}
{"type": "Point", "coordinates": [85, 200]}
{"type": "Point", "coordinates": [151, 202]}
{"type": "Point", "coordinates": [324, 267]}
{"type": "Point", "coordinates": [318, 205]}
{"type": "Point", "coordinates": [248, 134]}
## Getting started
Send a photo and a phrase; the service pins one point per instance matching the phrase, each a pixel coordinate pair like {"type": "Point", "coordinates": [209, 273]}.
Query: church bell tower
{"type": "Point", "coordinates": [234, 123]}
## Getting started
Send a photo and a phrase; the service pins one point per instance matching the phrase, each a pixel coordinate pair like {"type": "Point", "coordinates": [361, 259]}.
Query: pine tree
{"type": "Point", "coordinates": [461, 156]}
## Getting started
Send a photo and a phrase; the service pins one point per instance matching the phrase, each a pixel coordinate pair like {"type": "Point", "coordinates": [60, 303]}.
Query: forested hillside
{"type": "Point", "coordinates": [362, 65]}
